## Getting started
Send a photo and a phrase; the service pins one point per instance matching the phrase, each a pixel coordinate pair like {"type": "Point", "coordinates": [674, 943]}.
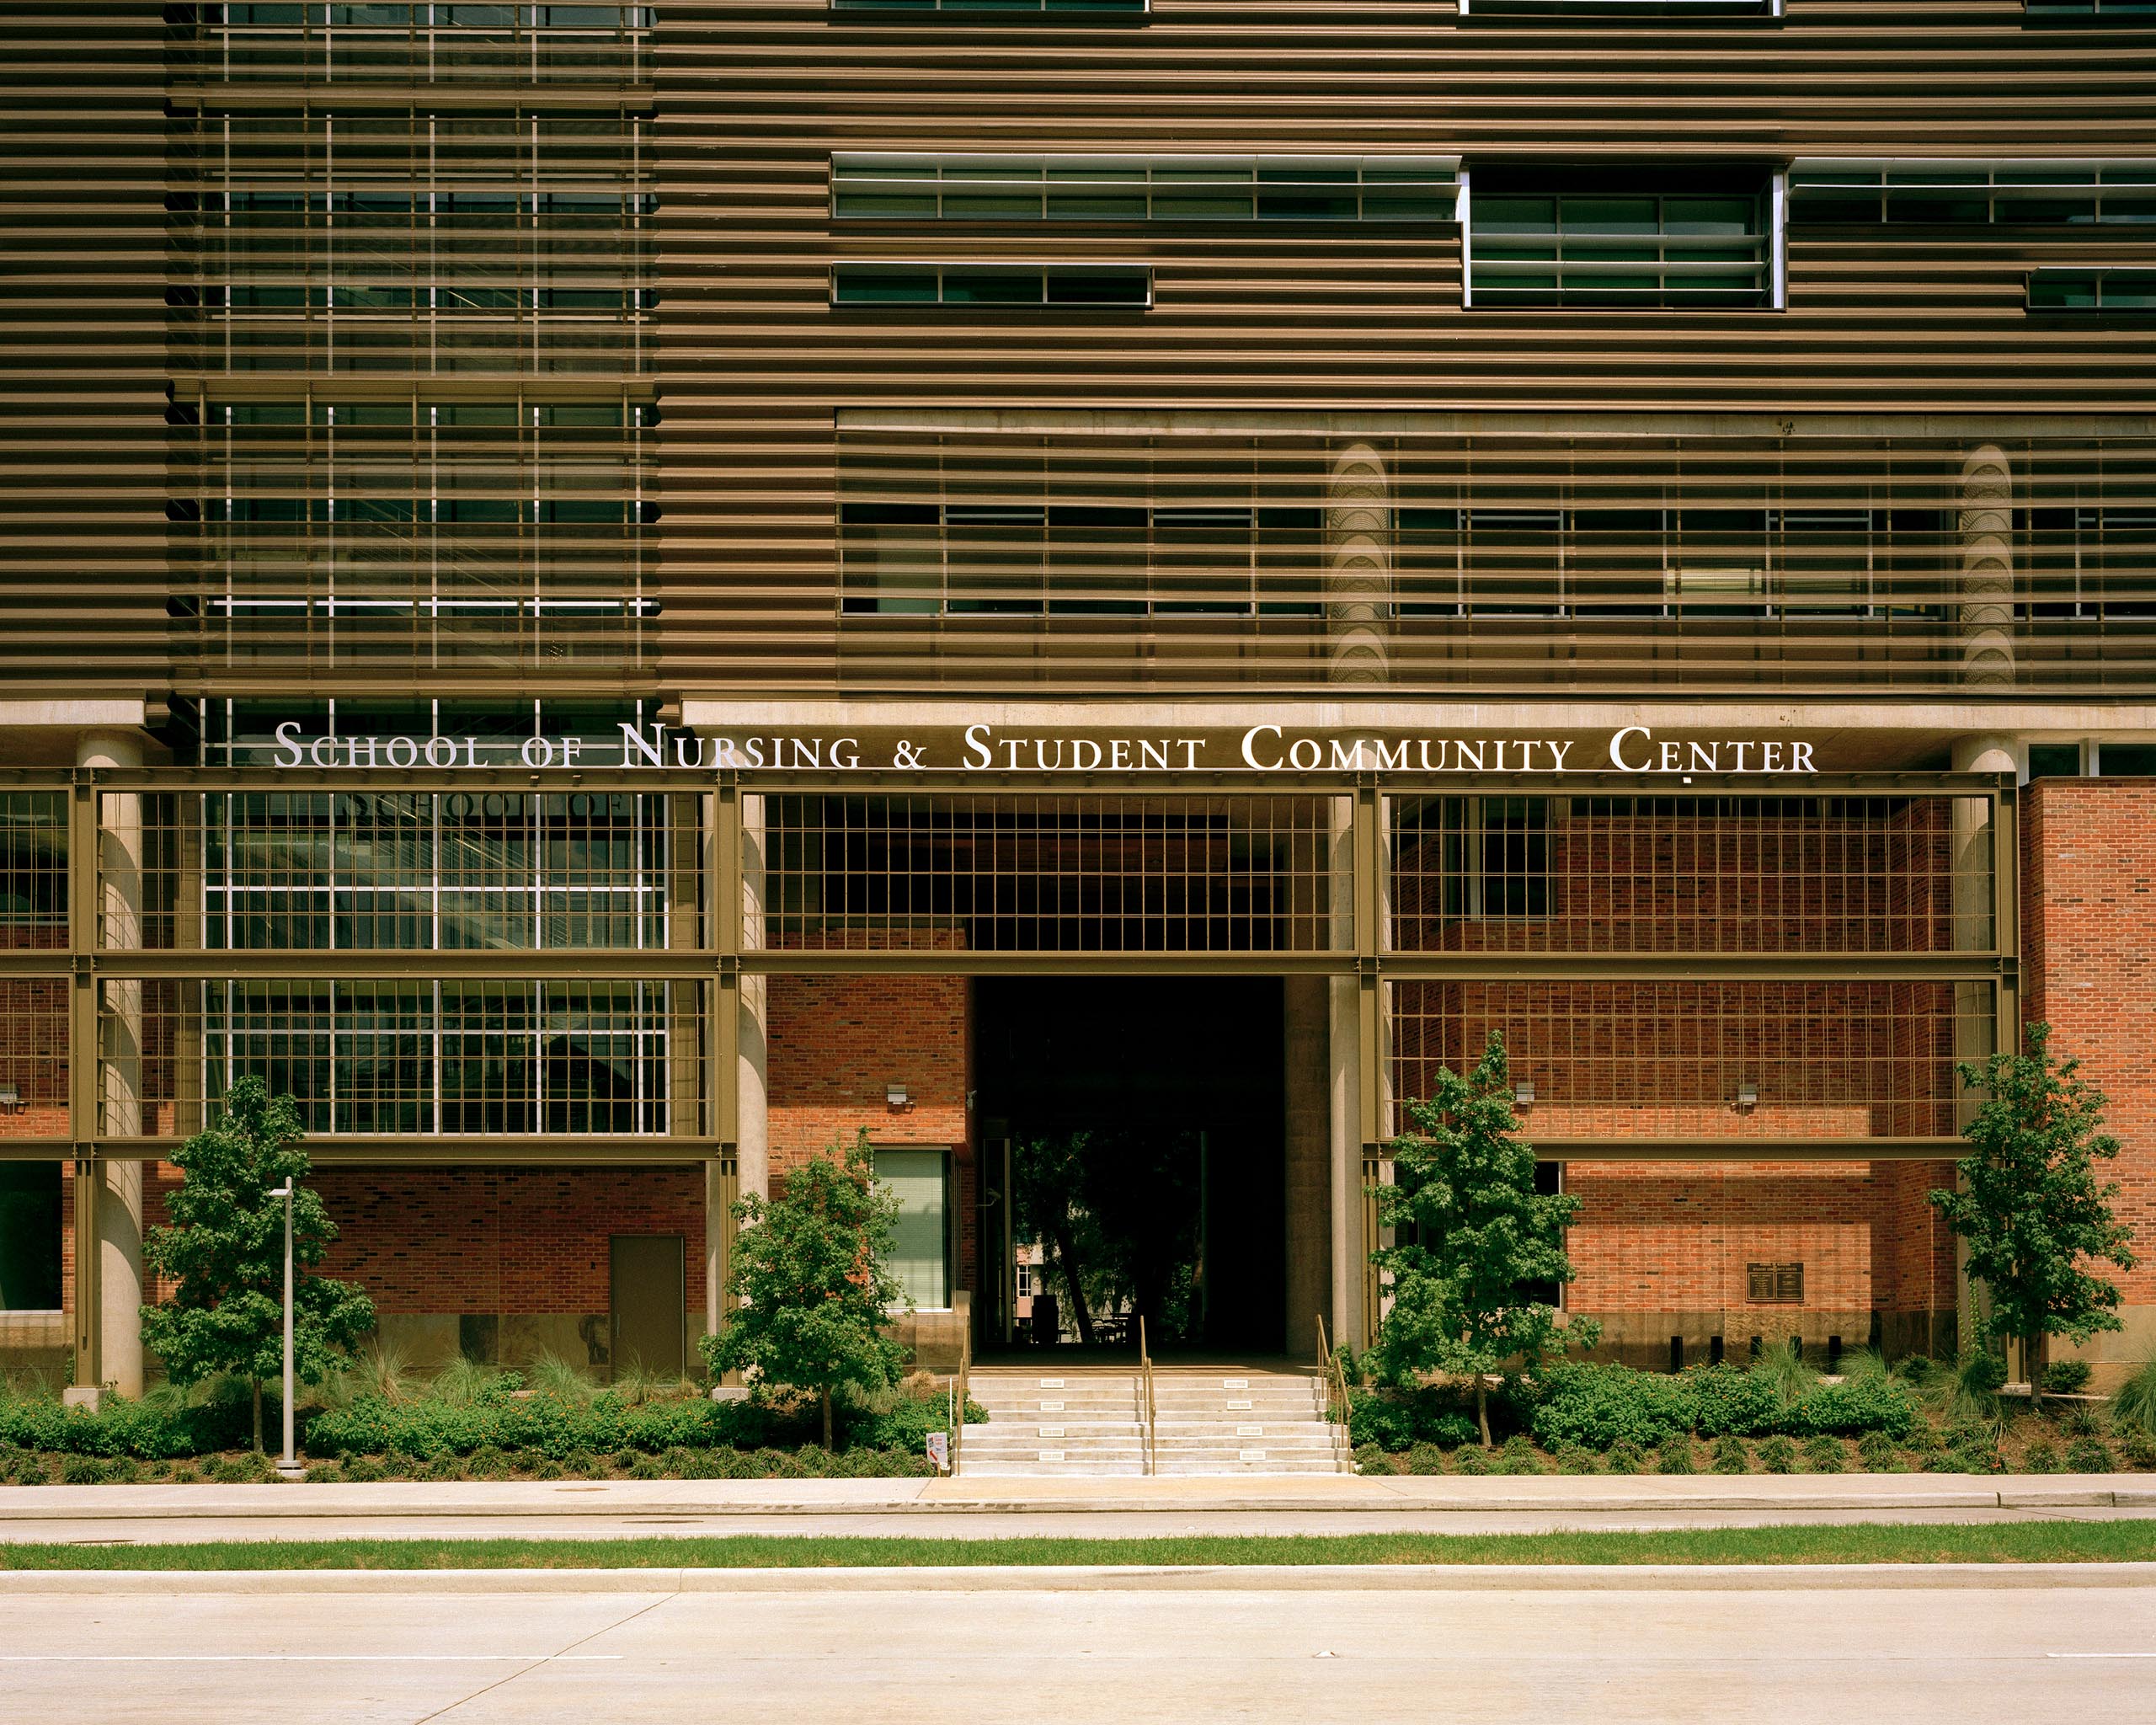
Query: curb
{"type": "Point", "coordinates": [329, 1503]}
{"type": "Point", "coordinates": [1750, 1577]}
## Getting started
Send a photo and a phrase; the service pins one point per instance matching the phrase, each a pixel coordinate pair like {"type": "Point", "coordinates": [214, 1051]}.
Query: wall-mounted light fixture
{"type": "Point", "coordinates": [895, 1094]}
{"type": "Point", "coordinates": [1524, 1094]}
{"type": "Point", "coordinates": [1747, 1095]}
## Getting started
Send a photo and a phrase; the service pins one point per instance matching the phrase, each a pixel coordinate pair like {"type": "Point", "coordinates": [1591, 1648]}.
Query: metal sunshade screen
{"type": "Point", "coordinates": [1703, 1060]}
{"type": "Point", "coordinates": [1711, 874]}
{"type": "Point", "coordinates": [474, 870]}
{"type": "Point", "coordinates": [410, 43]}
{"type": "Point", "coordinates": [1493, 561]}
{"type": "Point", "coordinates": [322, 530]}
{"type": "Point", "coordinates": [466, 1056]}
{"type": "Point", "coordinates": [1022, 872]}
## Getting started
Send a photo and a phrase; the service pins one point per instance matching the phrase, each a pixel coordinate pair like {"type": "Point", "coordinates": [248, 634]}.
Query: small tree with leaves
{"type": "Point", "coordinates": [225, 1251]}
{"type": "Point", "coordinates": [810, 1282]}
{"type": "Point", "coordinates": [1479, 1239]}
{"type": "Point", "coordinates": [2028, 1205]}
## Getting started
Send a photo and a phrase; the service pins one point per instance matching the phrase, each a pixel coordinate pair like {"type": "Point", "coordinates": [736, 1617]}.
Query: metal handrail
{"type": "Point", "coordinates": [1335, 1393]}
{"type": "Point", "coordinates": [959, 1408]}
{"type": "Point", "coordinates": [1147, 1410]}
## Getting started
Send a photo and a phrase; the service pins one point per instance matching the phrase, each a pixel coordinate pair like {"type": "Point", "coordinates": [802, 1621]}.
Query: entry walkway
{"type": "Point", "coordinates": [987, 1508]}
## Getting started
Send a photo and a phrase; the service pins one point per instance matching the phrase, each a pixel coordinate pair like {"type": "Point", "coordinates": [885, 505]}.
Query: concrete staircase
{"type": "Point", "coordinates": [1090, 1424]}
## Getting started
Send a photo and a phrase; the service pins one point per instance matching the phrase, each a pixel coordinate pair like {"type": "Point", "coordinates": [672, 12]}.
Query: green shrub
{"type": "Point", "coordinates": [2068, 1377]}
{"type": "Point", "coordinates": [82, 1471]}
{"type": "Point", "coordinates": [1598, 1405]}
{"type": "Point", "coordinates": [1783, 1372]}
{"type": "Point", "coordinates": [1573, 1459]}
{"type": "Point", "coordinates": [1729, 1401]}
{"type": "Point", "coordinates": [364, 1469]}
{"type": "Point", "coordinates": [1625, 1457]}
{"type": "Point", "coordinates": [648, 1467]}
{"type": "Point", "coordinates": [1395, 1421]}
{"type": "Point", "coordinates": [1471, 1458]}
{"type": "Point", "coordinates": [1778, 1455]}
{"type": "Point", "coordinates": [439, 1468]}
{"type": "Point", "coordinates": [1853, 1408]}
{"type": "Point", "coordinates": [1826, 1455]}
{"type": "Point", "coordinates": [185, 1474]}
{"type": "Point", "coordinates": [1423, 1458]}
{"type": "Point", "coordinates": [1876, 1451]}
{"type": "Point", "coordinates": [1674, 1455]}
{"type": "Point", "coordinates": [624, 1459]}
{"type": "Point", "coordinates": [1518, 1456]}
{"type": "Point", "coordinates": [1731, 1456]}
{"type": "Point", "coordinates": [2089, 1456]}
{"type": "Point", "coordinates": [1970, 1390]}
{"type": "Point", "coordinates": [1369, 1458]}
{"type": "Point", "coordinates": [2040, 1457]}
{"type": "Point", "coordinates": [324, 1473]}
{"type": "Point", "coordinates": [162, 1427]}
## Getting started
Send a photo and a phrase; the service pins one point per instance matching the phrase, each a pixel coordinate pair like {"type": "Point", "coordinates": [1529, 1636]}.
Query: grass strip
{"type": "Point", "coordinates": [1996, 1542]}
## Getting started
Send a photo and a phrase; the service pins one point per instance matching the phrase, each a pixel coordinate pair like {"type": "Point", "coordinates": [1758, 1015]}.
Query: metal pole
{"type": "Point", "coordinates": [288, 1464]}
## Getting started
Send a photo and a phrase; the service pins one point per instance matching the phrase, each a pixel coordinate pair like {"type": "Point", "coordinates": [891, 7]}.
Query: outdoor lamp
{"type": "Point", "coordinates": [1747, 1095]}
{"type": "Point", "coordinates": [895, 1094]}
{"type": "Point", "coordinates": [1523, 1094]}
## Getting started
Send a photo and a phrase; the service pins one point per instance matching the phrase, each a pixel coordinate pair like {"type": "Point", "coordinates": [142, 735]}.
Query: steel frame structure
{"type": "Point", "coordinates": [727, 955]}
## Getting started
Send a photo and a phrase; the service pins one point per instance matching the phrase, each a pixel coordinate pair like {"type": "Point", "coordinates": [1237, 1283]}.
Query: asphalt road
{"type": "Point", "coordinates": [1076, 1655]}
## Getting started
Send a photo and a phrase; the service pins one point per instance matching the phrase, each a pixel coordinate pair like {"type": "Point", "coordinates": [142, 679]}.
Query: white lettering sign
{"type": "Point", "coordinates": [1633, 751]}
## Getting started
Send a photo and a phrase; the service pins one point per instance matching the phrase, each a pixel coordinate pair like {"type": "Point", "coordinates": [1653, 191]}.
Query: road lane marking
{"type": "Point", "coordinates": [275, 1658]}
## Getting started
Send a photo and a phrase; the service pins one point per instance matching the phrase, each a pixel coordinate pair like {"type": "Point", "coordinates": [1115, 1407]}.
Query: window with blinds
{"type": "Point", "coordinates": [1124, 188]}
{"type": "Point", "coordinates": [992, 287]}
{"type": "Point", "coordinates": [2125, 293]}
{"type": "Point", "coordinates": [1971, 194]}
{"type": "Point", "coordinates": [1620, 241]}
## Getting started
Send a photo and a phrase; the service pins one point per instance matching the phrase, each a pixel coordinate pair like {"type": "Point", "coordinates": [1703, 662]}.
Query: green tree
{"type": "Point", "coordinates": [1478, 1240]}
{"type": "Point", "coordinates": [225, 1250]}
{"type": "Point", "coordinates": [2028, 1206]}
{"type": "Point", "coordinates": [810, 1281]}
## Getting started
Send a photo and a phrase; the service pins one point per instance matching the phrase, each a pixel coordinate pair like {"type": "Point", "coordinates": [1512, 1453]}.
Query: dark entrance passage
{"type": "Point", "coordinates": [1147, 1124]}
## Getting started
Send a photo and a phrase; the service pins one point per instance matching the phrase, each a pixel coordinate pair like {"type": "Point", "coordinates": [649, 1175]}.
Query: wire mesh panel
{"type": "Point", "coordinates": [1697, 874]}
{"type": "Point", "coordinates": [319, 870]}
{"type": "Point", "coordinates": [1026, 873]}
{"type": "Point", "coordinates": [465, 1057]}
{"type": "Point", "coordinates": [1630, 1060]}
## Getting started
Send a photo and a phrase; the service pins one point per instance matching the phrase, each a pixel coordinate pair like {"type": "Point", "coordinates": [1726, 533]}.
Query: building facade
{"type": "Point", "coordinates": [612, 594]}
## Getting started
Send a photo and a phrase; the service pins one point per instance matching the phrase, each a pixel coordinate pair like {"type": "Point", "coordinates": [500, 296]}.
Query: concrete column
{"type": "Point", "coordinates": [1306, 1030]}
{"type": "Point", "coordinates": [1358, 566]}
{"type": "Point", "coordinates": [753, 1135]}
{"type": "Point", "coordinates": [118, 1242]}
{"type": "Point", "coordinates": [1975, 1037]}
{"type": "Point", "coordinates": [1987, 529]}
{"type": "Point", "coordinates": [1343, 1094]}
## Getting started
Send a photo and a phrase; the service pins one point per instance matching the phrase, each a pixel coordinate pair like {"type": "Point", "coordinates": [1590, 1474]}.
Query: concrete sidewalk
{"type": "Point", "coordinates": [1320, 1503]}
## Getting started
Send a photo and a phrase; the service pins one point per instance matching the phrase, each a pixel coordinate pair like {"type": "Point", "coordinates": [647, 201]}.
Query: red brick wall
{"type": "Point", "coordinates": [2088, 958]}
{"type": "Point", "coordinates": [503, 1240]}
{"type": "Point", "coordinates": [836, 1043]}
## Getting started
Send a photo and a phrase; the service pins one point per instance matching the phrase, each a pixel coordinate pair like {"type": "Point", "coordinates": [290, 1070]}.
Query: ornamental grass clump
{"type": "Point", "coordinates": [2041, 1456]}
{"type": "Point", "coordinates": [1674, 1456]}
{"type": "Point", "coordinates": [1826, 1455]}
{"type": "Point", "coordinates": [1876, 1451]}
{"type": "Point", "coordinates": [2089, 1456]}
{"type": "Point", "coordinates": [1625, 1457]}
{"type": "Point", "coordinates": [1574, 1459]}
{"type": "Point", "coordinates": [2133, 1403]}
{"type": "Point", "coordinates": [1518, 1457]}
{"type": "Point", "coordinates": [1731, 1456]}
{"type": "Point", "coordinates": [1778, 1455]}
